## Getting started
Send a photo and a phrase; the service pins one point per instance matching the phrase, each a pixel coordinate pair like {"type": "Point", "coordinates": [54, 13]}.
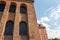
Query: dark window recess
{"type": "Point", "coordinates": [23, 10]}
{"type": "Point", "coordinates": [2, 6]}
{"type": "Point", "coordinates": [23, 28]}
{"type": "Point", "coordinates": [12, 9]}
{"type": "Point", "coordinates": [9, 28]}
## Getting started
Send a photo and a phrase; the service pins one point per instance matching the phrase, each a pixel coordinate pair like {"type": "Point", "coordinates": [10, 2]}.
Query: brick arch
{"type": "Point", "coordinates": [22, 4]}
{"type": "Point", "coordinates": [9, 28]}
{"type": "Point", "coordinates": [23, 8]}
{"type": "Point", "coordinates": [13, 3]}
{"type": "Point", "coordinates": [23, 29]}
{"type": "Point", "coordinates": [11, 17]}
{"type": "Point", "coordinates": [4, 2]}
{"type": "Point", "coordinates": [2, 6]}
{"type": "Point", "coordinates": [12, 8]}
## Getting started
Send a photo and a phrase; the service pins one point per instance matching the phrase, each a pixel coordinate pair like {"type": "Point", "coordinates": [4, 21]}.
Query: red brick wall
{"type": "Point", "coordinates": [43, 33]}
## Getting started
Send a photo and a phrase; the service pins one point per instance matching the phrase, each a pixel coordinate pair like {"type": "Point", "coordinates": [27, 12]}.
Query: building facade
{"type": "Point", "coordinates": [18, 20]}
{"type": "Point", "coordinates": [43, 33]}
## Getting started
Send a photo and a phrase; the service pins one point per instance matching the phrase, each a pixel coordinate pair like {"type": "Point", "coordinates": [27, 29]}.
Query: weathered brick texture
{"type": "Point", "coordinates": [17, 17]}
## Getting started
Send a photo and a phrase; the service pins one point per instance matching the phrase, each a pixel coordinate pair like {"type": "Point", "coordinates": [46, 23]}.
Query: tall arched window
{"type": "Point", "coordinates": [12, 8]}
{"type": "Point", "coordinates": [23, 9]}
{"type": "Point", "coordinates": [2, 6]}
{"type": "Point", "coordinates": [9, 28]}
{"type": "Point", "coordinates": [23, 28]}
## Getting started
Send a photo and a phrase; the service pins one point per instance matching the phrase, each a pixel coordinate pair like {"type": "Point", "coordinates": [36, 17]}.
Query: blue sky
{"type": "Point", "coordinates": [48, 14]}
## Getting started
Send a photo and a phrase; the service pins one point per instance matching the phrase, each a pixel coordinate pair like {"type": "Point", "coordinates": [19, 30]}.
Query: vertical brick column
{"type": "Point", "coordinates": [16, 23]}
{"type": "Point", "coordinates": [32, 23]}
{"type": "Point", "coordinates": [43, 34]}
{"type": "Point", "coordinates": [4, 19]}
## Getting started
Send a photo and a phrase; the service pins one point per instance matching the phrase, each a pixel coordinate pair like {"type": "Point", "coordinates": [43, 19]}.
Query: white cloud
{"type": "Point", "coordinates": [54, 17]}
{"type": "Point", "coordinates": [52, 33]}
{"type": "Point", "coordinates": [55, 23]}
{"type": "Point", "coordinates": [55, 13]}
{"type": "Point", "coordinates": [45, 19]}
{"type": "Point", "coordinates": [38, 21]}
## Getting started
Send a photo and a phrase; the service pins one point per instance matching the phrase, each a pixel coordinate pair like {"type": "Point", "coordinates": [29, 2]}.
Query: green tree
{"type": "Point", "coordinates": [55, 38]}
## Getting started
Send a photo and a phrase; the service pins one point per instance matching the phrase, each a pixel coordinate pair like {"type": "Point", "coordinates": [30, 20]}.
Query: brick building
{"type": "Point", "coordinates": [42, 32]}
{"type": "Point", "coordinates": [18, 20]}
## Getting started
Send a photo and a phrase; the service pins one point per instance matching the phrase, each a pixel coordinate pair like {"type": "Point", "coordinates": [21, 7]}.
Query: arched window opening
{"type": "Point", "coordinates": [2, 6]}
{"type": "Point", "coordinates": [9, 28]}
{"type": "Point", "coordinates": [23, 28]}
{"type": "Point", "coordinates": [12, 8]}
{"type": "Point", "coordinates": [23, 10]}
